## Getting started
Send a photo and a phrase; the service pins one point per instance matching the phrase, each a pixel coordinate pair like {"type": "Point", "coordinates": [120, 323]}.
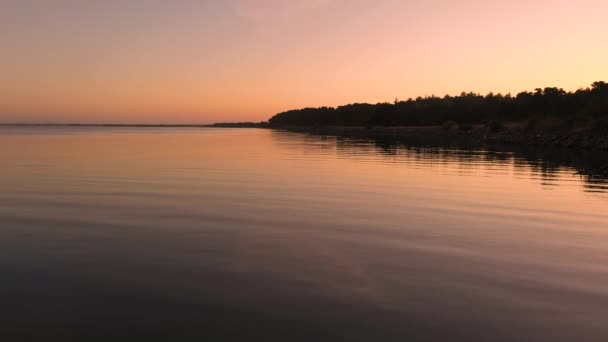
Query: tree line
{"type": "Point", "coordinates": [468, 108]}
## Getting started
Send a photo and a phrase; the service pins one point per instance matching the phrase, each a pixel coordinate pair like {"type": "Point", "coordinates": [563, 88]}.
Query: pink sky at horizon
{"type": "Point", "coordinates": [186, 61]}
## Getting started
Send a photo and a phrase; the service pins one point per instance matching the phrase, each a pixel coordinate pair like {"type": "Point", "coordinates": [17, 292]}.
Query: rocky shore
{"type": "Point", "coordinates": [478, 135]}
{"type": "Point", "coordinates": [568, 140]}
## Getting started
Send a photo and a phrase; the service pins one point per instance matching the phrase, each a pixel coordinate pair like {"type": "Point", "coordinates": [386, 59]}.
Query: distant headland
{"type": "Point", "coordinates": [584, 105]}
{"type": "Point", "coordinates": [545, 116]}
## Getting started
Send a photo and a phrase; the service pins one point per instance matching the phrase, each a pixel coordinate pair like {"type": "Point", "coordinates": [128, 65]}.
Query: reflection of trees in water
{"type": "Point", "coordinates": [308, 144]}
{"type": "Point", "coordinates": [546, 164]}
{"type": "Point", "coordinates": [596, 185]}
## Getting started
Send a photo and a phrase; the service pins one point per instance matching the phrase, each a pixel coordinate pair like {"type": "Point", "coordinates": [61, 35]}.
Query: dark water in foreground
{"type": "Point", "coordinates": [253, 234]}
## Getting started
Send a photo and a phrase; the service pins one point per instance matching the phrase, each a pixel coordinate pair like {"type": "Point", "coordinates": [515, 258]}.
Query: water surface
{"type": "Point", "coordinates": [237, 234]}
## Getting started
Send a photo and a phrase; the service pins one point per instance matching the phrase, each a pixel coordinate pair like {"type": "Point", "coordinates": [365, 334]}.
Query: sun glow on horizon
{"type": "Point", "coordinates": [245, 60]}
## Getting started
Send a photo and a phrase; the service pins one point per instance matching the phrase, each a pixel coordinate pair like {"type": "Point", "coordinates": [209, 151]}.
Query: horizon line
{"type": "Point", "coordinates": [114, 124]}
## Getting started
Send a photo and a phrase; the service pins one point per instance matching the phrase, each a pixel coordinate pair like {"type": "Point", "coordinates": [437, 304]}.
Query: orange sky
{"type": "Point", "coordinates": [187, 61]}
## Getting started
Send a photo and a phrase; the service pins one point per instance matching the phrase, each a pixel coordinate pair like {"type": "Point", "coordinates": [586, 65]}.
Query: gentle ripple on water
{"type": "Point", "coordinates": [233, 233]}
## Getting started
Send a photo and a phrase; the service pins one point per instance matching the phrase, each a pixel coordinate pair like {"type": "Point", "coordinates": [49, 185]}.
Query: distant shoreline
{"type": "Point", "coordinates": [216, 125]}
{"type": "Point", "coordinates": [476, 135]}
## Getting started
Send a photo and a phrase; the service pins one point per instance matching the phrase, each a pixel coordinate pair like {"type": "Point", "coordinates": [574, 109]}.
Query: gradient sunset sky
{"type": "Point", "coordinates": [183, 61]}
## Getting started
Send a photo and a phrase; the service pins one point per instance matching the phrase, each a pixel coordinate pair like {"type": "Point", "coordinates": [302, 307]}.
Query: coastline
{"type": "Point", "coordinates": [477, 136]}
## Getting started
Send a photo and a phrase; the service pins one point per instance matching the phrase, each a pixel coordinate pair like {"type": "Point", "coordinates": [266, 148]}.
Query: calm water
{"type": "Point", "coordinates": [249, 234]}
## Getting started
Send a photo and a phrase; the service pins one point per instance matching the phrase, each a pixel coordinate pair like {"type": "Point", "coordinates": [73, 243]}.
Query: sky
{"type": "Point", "coordinates": [186, 61]}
